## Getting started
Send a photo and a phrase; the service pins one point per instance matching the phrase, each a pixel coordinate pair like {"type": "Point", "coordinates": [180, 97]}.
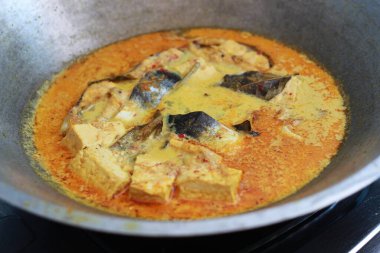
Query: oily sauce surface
{"type": "Point", "coordinates": [274, 164]}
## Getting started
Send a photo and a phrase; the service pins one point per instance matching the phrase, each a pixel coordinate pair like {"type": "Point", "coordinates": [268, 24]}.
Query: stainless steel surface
{"type": "Point", "coordinates": [40, 37]}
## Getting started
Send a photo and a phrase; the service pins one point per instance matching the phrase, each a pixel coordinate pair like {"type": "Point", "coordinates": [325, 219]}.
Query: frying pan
{"type": "Point", "coordinates": [40, 37]}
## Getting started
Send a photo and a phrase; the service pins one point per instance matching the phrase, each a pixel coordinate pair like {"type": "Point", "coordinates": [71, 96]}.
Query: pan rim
{"type": "Point", "coordinates": [233, 223]}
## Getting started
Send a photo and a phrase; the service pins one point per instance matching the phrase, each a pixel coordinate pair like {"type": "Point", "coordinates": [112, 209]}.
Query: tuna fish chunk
{"type": "Point", "coordinates": [262, 85]}
{"type": "Point", "coordinates": [145, 97]}
{"type": "Point", "coordinates": [231, 52]}
{"type": "Point", "coordinates": [203, 128]}
{"type": "Point", "coordinates": [153, 86]}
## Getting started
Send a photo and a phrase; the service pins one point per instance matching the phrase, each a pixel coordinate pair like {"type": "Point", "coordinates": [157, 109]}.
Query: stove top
{"type": "Point", "coordinates": [350, 225]}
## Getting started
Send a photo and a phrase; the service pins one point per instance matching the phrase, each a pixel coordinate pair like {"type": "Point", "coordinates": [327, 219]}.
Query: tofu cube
{"type": "Point", "coordinates": [80, 136]}
{"type": "Point", "coordinates": [206, 183]}
{"type": "Point", "coordinates": [87, 135]}
{"type": "Point", "coordinates": [110, 132]}
{"type": "Point", "coordinates": [197, 152]}
{"type": "Point", "coordinates": [152, 182]}
{"type": "Point", "coordinates": [98, 166]}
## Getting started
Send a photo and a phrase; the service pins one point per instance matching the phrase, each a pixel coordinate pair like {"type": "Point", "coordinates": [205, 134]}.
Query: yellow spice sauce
{"type": "Point", "coordinates": [301, 128]}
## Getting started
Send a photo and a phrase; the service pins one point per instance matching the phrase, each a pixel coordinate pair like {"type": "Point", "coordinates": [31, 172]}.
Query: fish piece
{"type": "Point", "coordinates": [230, 52]}
{"type": "Point", "coordinates": [193, 124]}
{"type": "Point", "coordinates": [104, 134]}
{"type": "Point", "coordinates": [137, 141]}
{"type": "Point", "coordinates": [152, 181]}
{"type": "Point", "coordinates": [98, 166]}
{"type": "Point", "coordinates": [100, 102]}
{"type": "Point", "coordinates": [105, 98]}
{"type": "Point", "coordinates": [153, 86]}
{"type": "Point", "coordinates": [146, 96]}
{"type": "Point", "coordinates": [140, 133]}
{"type": "Point", "coordinates": [156, 61]}
{"type": "Point", "coordinates": [262, 85]}
{"type": "Point", "coordinates": [111, 97]}
{"type": "Point", "coordinates": [202, 127]}
{"type": "Point", "coordinates": [246, 127]}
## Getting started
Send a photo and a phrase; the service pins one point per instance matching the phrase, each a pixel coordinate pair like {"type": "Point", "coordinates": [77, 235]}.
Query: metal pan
{"type": "Point", "coordinates": [38, 38]}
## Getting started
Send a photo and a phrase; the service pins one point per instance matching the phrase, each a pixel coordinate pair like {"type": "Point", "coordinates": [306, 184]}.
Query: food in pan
{"type": "Point", "coordinates": [202, 123]}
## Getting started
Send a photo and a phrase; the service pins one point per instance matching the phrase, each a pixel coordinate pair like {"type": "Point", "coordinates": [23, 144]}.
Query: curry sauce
{"type": "Point", "coordinates": [298, 129]}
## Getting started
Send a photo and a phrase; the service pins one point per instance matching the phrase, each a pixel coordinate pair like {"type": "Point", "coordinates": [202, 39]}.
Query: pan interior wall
{"type": "Point", "coordinates": [38, 38]}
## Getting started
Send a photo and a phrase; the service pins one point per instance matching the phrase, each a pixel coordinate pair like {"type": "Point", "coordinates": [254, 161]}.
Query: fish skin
{"type": "Point", "coordinates": [262, 85]}
{"type": "Point", "coordinates": [153, 86]}
{"type": "Point", "coordinates": [246, 127]}
{"type": "Point", "coordinates": [140, 133]}
{"type": "Point", "coordinates": [193, 124]}
{"type": "Point", "coordinates": [133, 143]}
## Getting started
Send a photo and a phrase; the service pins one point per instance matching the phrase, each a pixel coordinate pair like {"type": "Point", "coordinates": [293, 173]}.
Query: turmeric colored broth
{"type": "Point", "coordinates": [274, 165]}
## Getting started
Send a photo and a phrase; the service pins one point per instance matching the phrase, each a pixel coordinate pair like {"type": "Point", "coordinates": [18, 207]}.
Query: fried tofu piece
{"type": "Point", "coordinates": [200, 152]}
{"type": "Point", "coordinates": [204, 176]}
{"type": "Point", "coordinates": [87, 135]}
{"type": "Point", "coordinates": [98, 166]}
{"type": "Point", "coordinates": [80, 136]}
{"type": "Point", "coordinates": [203, 183]}
{"type": "Point", "coordinates": [152, 182]}
{"type": "Point", "coordinates": [110, 132]}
